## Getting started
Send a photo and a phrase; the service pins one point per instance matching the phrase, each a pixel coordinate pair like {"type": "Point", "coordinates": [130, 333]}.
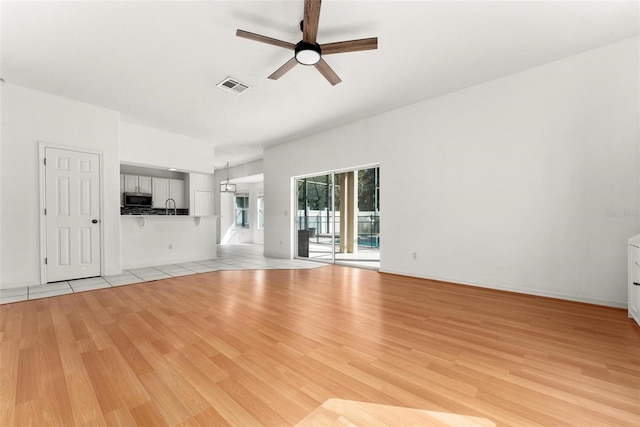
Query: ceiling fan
{"type": "Point", "coordinates": [307, 51]}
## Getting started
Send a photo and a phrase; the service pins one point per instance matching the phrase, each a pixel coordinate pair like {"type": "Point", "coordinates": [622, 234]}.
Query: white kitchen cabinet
{"type": "Point", "coordinates": [137, 184]}
{"type": "Point", "coordinates": [131, 183]}
{"type": "Point", "coordinates": [159, 192]}
{"type": "Point", "coordinates": [634, 279]}
{"type": "Point", "coordinates": [164, 189]}
{"type": "Point", "coordinates": [176, 192]}
{"type": "Point", "coordinates": [144, 184]}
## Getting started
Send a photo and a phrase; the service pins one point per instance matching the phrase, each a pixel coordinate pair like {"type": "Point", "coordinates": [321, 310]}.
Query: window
{"type": "Point", "coordinates": [242, 211]}
{"type": "Point", "coordinates": [260, 211]}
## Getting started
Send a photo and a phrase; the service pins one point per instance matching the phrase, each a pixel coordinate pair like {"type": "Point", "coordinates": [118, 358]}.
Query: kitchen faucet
{"type": "Point", "coordinates": [166, 206]}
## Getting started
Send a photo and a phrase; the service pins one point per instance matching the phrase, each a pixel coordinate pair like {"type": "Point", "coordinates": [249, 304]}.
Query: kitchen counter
{"type": "Point", "coordinates": [149, 215]}
{"type": "Point", "coordinates": [142, 218]}
{"type": "Point", "coordinates": [137, 211]}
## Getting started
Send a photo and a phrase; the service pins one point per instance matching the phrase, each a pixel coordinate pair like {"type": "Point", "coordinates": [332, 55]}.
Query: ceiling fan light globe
{"type": "Point", "coordinates": [307, 57]}
{"type": "Point", "coordinates": [307, 53]}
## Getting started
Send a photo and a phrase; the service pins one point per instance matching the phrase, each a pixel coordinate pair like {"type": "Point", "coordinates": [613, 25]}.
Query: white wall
{"type": "Point", "coordinates": [146, 246]}
{"type": "Point", "coordinates": [518, 183]}
{"type": "Point", "coordinates": [227, 232]}
{"type": "Point", "coordinates": [258, 233]}
{"type": "Point", "coordinates": [29, 117]}
{"type": "Point", "coordinates": [167, 240]}
{"type": "Point", "coordinates": [1, 167]}
{"type": "Point", "coordinates": [145, 146]}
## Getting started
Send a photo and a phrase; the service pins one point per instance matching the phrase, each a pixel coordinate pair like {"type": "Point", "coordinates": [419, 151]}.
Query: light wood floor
{"type": "Point", "coordinates": [269, 347]}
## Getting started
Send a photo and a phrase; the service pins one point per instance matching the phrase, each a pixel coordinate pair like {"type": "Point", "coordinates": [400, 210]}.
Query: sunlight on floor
{"type": "Point", "coordinates": [339, 412]}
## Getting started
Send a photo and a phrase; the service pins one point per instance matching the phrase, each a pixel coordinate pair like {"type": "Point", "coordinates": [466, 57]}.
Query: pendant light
{"type": "Point", "coordinates": [227, 186]}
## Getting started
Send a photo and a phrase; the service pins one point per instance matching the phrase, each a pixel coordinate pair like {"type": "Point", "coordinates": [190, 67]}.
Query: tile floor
{"type": "Point", "coordinates": [230, 257]}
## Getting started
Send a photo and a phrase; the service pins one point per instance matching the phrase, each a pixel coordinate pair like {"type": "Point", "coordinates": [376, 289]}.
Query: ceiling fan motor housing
{"type": "Point", "coordinates": [308, 53]}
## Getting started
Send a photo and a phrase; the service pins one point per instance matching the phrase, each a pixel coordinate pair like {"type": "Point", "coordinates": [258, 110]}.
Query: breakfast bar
{"type": "Point", "coordinates": [149, 240]}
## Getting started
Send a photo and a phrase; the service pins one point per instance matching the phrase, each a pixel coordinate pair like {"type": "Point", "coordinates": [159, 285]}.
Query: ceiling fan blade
{"type": "Point", "coordinates": [282, 70]}
{"type": "Point", "coordinates": [350, 46]}
{"type": "Point", "coordinates": [327, 72]}
{"type": "Point", "coordinates": [310, 20]}
{"type": "Point", "coordinates": [265, 39]}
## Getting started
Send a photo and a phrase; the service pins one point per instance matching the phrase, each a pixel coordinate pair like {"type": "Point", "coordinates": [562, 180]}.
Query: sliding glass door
{"type": "Point", "coordinates": [338, 217]}
{"type": "Point", "coordinates": [315, 220]}
{"type": "Point", "coordinates": [360, 225]}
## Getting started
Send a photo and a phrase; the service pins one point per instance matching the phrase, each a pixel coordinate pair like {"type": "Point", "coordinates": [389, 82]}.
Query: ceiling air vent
{"type": "Point", "coordinates": [233, 85]}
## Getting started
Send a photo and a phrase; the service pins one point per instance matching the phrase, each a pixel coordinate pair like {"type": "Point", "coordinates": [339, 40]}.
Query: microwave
{"type": "Point", "coordinates": [143, 200]}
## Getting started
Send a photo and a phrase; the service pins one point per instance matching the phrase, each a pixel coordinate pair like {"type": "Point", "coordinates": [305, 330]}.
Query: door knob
{"type": "Point", "coordinates": [95, 221]}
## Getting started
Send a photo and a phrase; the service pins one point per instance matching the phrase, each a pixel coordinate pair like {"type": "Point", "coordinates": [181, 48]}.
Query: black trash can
{"type": "Point", "coordinates": [303, 243]}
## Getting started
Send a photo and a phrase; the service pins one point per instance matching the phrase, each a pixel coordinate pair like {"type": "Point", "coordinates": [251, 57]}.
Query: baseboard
{"type": "Point", "coordinates": [525, 291]}
{"type": "Point", "coordinates": [6, 286]}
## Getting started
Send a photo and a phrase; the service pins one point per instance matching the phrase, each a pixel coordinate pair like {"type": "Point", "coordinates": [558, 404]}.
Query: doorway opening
{"type": "Point", "coordinates": [338, 217]}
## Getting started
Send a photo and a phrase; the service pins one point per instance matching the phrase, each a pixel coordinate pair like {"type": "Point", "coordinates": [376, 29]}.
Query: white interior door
{"type": "Point", "coordinates": [72, 186]}
{"type": "Point", "coordinates": [634, 286]}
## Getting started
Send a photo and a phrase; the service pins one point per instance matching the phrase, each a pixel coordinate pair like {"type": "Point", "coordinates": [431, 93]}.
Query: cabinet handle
{"type": "Point", "coordinates": [636, 283]}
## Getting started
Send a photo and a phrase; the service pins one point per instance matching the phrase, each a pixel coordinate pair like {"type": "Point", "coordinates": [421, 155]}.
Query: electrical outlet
{"type": "Point", "coordinates": [414, 255]}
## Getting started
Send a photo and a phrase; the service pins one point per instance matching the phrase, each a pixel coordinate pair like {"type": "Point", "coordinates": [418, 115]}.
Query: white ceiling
{"type": "Point", "coordinates": [158, 63]}
{"type": "Point", "coordinates": [251, 179]}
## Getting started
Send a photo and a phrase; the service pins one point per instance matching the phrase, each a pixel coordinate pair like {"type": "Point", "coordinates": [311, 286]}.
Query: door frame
{"type": "Point", "coordinates": [294, 222]}
{"type": "Point", "coordinates": [294, 205]}
{"type": "Point", "coordinates": [42, 146]}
